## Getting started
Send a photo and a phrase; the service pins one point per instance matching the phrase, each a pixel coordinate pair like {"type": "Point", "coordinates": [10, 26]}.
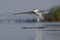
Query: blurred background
{"type": "Point", "coordinates": [11, 25]}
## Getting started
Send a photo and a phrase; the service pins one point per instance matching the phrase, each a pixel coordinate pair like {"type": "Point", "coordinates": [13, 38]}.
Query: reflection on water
{"type": "Point", "coordinates": [13, 31]}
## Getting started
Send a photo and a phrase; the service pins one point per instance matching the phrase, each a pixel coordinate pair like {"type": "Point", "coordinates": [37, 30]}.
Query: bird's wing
{"type": "Point", "coordinates": [28, 12]}
{"type": "Point", "coordinates": [44, 11]}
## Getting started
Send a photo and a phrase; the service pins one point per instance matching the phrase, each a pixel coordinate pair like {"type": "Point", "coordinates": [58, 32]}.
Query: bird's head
{"type": "Point", "coordinates": [35, 10]}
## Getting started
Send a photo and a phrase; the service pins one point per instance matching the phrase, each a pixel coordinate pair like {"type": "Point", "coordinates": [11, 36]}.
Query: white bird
{"type": "Point", "coordinates": [37, 12]}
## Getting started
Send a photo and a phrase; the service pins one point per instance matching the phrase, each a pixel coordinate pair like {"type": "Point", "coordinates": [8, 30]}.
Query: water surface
{"type": "Point", "coordinates": [13, 31]}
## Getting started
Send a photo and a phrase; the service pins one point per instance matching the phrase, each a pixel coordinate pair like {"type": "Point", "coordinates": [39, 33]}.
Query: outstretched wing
{"type": "Point", "coordinates": [44, 11]}
{"type": "Point", "coordinates": [28, 12]}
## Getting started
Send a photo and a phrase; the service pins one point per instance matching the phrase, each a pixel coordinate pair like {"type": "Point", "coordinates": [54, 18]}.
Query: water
{"type": "Point", "coordinates": [14, 31]}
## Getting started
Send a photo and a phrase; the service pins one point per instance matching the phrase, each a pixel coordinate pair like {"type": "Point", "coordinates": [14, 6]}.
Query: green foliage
{"type": "Point", "coordinates": [54, 14]}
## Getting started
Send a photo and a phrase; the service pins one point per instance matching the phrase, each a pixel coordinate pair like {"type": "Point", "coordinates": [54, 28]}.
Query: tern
{"type": "Point", "coordinates": [38, 13]}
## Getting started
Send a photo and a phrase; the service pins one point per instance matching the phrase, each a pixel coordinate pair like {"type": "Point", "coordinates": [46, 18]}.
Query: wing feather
{"type": "Point", "coordinates": [29, 12]}
{"type": "Point", "coordinates": [44, 11]}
